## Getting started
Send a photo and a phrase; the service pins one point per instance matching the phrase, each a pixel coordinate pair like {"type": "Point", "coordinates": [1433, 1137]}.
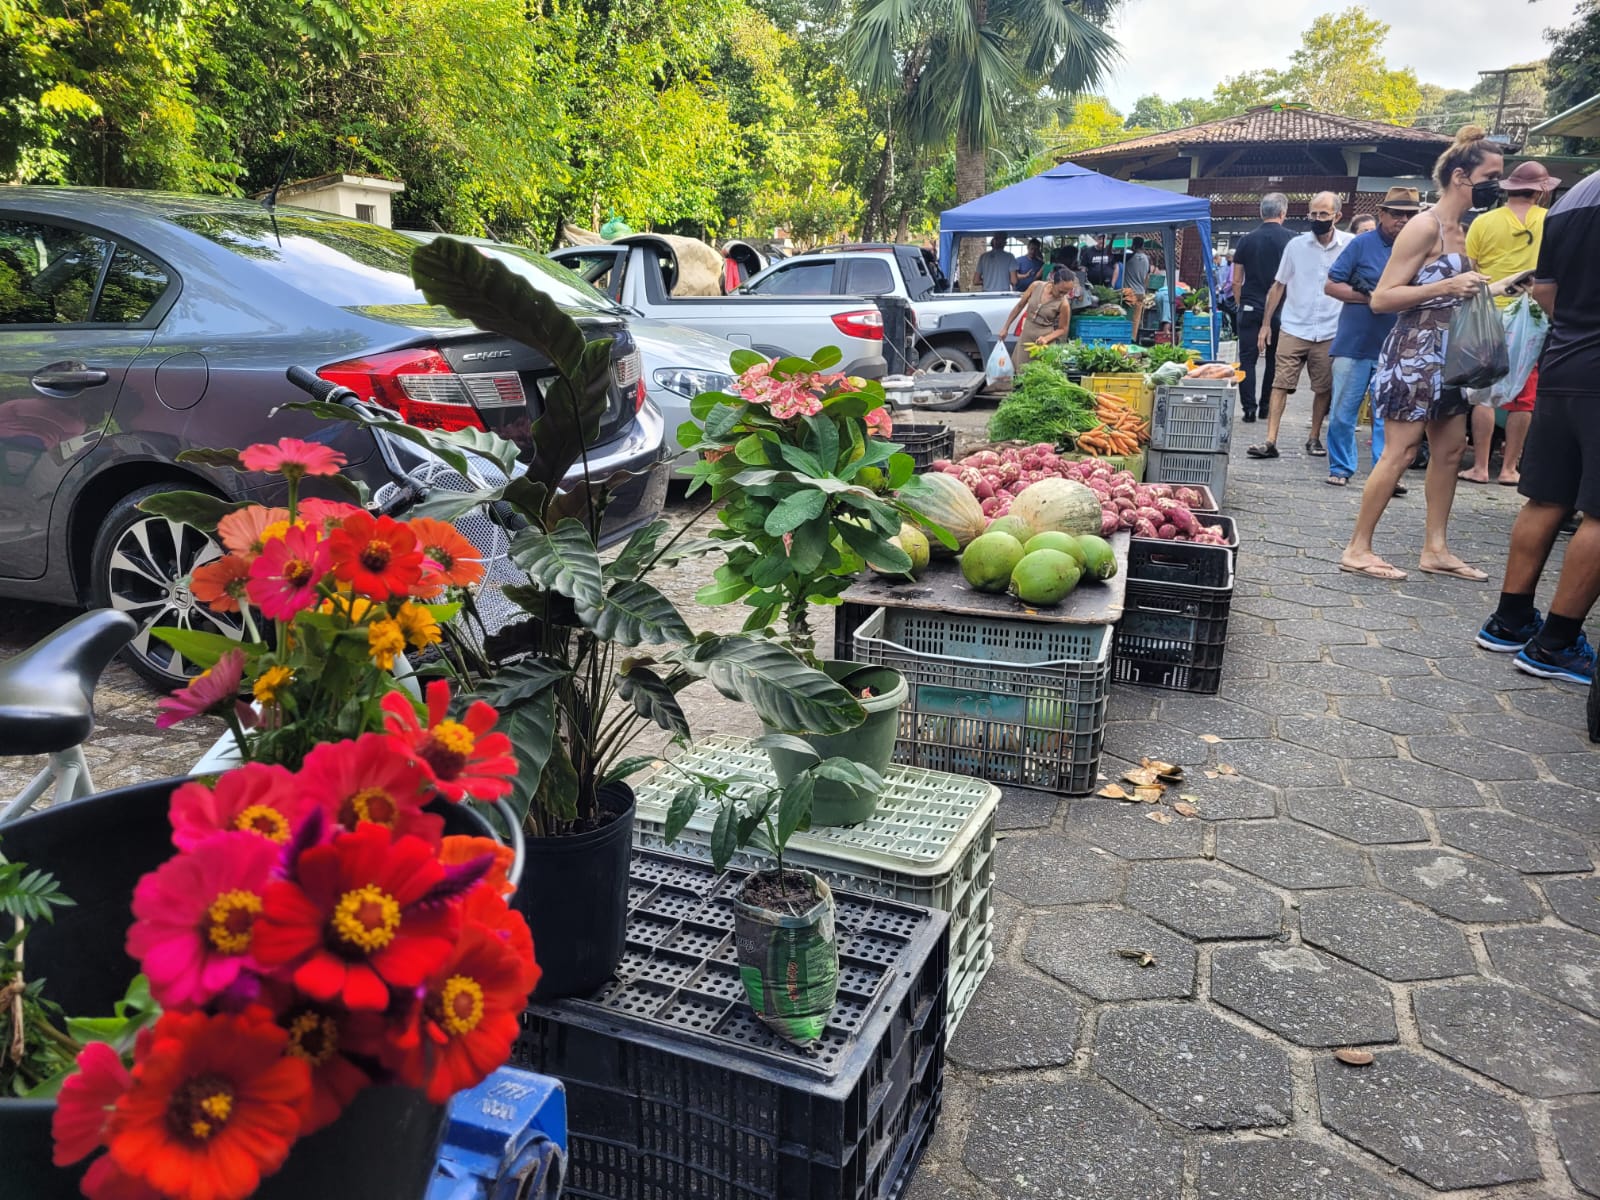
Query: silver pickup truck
{"type": "Point", "coordinates": [954, 330]}
{"type": "Point", "coordinates": [640, 272]}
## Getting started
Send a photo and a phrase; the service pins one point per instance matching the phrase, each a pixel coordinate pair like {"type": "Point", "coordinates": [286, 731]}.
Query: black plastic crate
{"type": "Point", "coordinates": [1172, 636]}
{"type": "Point", "coordinates": [675, 1089]}
{"type": "Point", "coordinates": [1151, 560]}
{"type": "Point", "coordinates": [925, 443]}
{"type": "Point", "coordinates": [1141, 550]}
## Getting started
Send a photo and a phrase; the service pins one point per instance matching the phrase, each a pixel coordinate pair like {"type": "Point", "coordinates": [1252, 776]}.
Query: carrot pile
{"type": "Point", "coordinates": [1120, 431]}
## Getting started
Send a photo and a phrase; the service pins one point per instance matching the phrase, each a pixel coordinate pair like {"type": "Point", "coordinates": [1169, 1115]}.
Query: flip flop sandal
{"type": "Point", "coordinates": [1470, 574]}
{"type": "Point", "coordinates": [1338, 480]}
{"type": "Point", "coordinates": [1387, 572]}
{"type": "Point", "coordinates": [1465, 478]}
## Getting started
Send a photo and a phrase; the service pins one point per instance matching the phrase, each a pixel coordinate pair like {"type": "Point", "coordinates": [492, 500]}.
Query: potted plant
{"type": "Point", "coordinates": [783, 916]}
{"type": "Point", "coordinates": [810, 491]}
{"type": "Point", "coordinates": [602, 654]}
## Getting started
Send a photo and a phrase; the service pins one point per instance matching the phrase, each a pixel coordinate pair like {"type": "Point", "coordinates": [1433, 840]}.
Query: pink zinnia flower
{"type": "Point", "coordinates": [209, 692]}
{"type": "Point", "coordinates": [375, 779]}
{"type": "Point", "coordinates": [193, 915]}
{"type": "Point", "coordinates": [256, 798]}
{"type": "Point", "coordinates": [879, 422]}
{"type": "Point", "coordinates": [325, 513]}
{"type": "Point", "coordinates": [292, 458]}
{"type": "Point", "coordinates": [84, 1104]}
{"type": "Point", "coordinates": [468, 759]}
{"type": "Point", "coordinates": [284, 578]}
{"type": "Point", "coordinates": [242, 530]}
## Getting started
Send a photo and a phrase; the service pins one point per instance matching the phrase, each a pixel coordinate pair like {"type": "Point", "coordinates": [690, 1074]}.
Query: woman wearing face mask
{"type": "Point", "coordinates": [1428, 276]}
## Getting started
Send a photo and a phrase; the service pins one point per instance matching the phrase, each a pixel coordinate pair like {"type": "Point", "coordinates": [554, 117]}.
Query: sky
{"type": "Point", "coordinates": [1182, 48]}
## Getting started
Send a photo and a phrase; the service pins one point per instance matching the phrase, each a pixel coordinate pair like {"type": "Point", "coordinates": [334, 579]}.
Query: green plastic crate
{"type": "Point", "coordinates": [930, 842]}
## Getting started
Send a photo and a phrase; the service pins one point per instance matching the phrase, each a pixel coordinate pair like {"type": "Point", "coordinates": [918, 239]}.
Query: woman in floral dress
{"type": "Point", "coordinates": [1428, 276]}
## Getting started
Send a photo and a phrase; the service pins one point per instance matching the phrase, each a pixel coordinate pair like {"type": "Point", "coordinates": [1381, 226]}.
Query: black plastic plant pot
{"type": "Point", "coordinates": [385, 1144]}
{"type": "Point", "coordinates": [574, 895]}
{"type": "Point", "coordinates": [788, 958]}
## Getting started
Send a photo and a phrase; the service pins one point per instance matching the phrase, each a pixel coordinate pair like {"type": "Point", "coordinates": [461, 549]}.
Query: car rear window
{"type": "Point", "coordinates": [353, 264]}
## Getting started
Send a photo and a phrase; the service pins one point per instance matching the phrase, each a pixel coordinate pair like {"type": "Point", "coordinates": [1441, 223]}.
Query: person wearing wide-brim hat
{"type": "Point", "coordinates": [1359, 340]}
{"type": "Point", "coordinates": [1502, 242]}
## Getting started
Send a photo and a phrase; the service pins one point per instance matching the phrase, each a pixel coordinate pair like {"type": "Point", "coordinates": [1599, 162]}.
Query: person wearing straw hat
{"type": "Point", "coordinates": [1502, 242]}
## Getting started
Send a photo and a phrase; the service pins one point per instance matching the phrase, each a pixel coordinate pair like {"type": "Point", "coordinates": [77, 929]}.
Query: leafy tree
{"type": "Point", "coordinates": [1152, 112]}
{"type": "Point", "coordinates": [1340, 68]}
{"type": "Point", "coordinates": [1094, 122]}
{"type": "Point", "coordinates": [1574, 67]}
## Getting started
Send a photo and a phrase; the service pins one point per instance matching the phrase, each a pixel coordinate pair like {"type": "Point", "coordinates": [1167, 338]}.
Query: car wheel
{"type": "Point", "coordinates": [140, 565]}
{"type": "Point", "coordinates": [946, 360]}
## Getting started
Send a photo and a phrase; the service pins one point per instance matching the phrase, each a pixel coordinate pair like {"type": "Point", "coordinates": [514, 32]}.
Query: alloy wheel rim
{"type": "Point", "coordinates": [147, 578]}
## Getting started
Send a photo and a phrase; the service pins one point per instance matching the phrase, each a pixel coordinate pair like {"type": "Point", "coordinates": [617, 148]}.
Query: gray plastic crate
{"type": "Point", "coordinates": [1186, 466]}
{"type": "Point", "coordinates": [1014, 702]}
{"type": "Point", "coordinates": [1193, 418]}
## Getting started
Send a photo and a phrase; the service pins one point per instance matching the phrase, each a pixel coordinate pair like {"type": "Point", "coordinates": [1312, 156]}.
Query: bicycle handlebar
{"type": "Point", "coordinates": [319, 388]}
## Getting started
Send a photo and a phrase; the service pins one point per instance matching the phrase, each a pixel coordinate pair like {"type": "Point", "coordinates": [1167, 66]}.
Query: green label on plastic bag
{"type": "Point", "coordinates": [796, 982]}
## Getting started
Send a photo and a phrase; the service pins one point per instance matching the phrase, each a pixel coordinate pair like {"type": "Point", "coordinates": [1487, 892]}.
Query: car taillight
{"type": "Point", "coordinates": [868, 323]}
{"type": "Point", "coordinates": [425, 390]}
{"type": "Point", "coordinates": [639, 396]}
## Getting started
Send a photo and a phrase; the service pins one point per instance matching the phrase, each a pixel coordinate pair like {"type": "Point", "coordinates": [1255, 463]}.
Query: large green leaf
{"type": "Point", "coordinates": [521, 681]}
{"type": "Point", "coordinates": [680, 812]}
{"type": "Point", "coordinates": [795, 510]}
{"type": "Point", "coordinates": [878, 551]}
{"type": "Point", "coordinates": [724, 837]}
{"type": "Point", "coordinates": [532, 730]}
{"type": "Point", "coordinates": [786, 694]}
{"type": "Point", "coordinates": [202, 648]}
{"type": "Point", "coordinates": [794, 807]}
{"type": "Point", "coordinates": [563, 560]}
{"type": "Point", "coordinates": [652, 697]}
{"type": "Point", "coordinates": [200, 509]}
{"type": "Point", "coordinates": [702, 404]}
{"type": "Point", "coordinates": [634, 555]}
{"type": "Point", "coordinates": [227, 459]}
{"type": "Point", "coordinates": [570, 421]}
{"type": "Point", "coordinates": [636, 613]}
{"type": "Point", "coordinates": [742, 360]}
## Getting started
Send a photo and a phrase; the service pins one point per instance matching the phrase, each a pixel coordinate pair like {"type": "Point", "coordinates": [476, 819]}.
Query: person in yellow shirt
{"type": "Point", "coordinates": [1502, 242]}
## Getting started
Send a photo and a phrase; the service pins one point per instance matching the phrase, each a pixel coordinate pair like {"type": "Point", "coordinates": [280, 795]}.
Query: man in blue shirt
{"type": "Point", "coordinates": [1361, 331]}
{"type": "Point", "coordinates": [1028, 266]}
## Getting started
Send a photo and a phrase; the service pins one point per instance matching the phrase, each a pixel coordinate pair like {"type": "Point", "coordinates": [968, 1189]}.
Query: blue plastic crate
{"type": "Point", "coordinates": [1102, 331]}
{"type": "Point", "coordinates": [1197, 334]}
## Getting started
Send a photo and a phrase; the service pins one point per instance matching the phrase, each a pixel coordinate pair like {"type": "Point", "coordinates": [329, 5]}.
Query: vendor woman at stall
{"type": "Point", "coordinates": [1045, 308]}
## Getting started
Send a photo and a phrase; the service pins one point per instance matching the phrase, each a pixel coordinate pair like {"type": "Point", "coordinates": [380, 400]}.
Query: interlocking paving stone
{"type": "Point", "coordinates": [1380, 661]}
{"type": "Point", "coordinates": [1050, 869]}
{"type": "Point", "coordinates": [1537, 1048]}
{"type": "Point", "coordinates": [1311, 597]}
{"type": "Point", "coordinates": [1160, 741]}
{"type": "Point", "coordinates": [1342, 739]}
{"type": "Point", "coordinates": [1285, 1169]}
{"type": "Point", "coordinates": [1071, 1140]}
{"type": "Point", "coordinates": [1513, 842]}
{"type": "Point", "coordinates": [1524, 733]}
{"type": "Point", "coordinates": [1268, 607]}
{"type": "Point", "coordinates": [1580, 770]}
{"type": "Point", "coordinates": [1422, 643]}
{"type": "Point", "coordinates": [1385, 935]}
{"type": "Point", "coordinates": [1244, 668]}
{"type": "Point", "coordinates": [1007, 916]}
{"type": "Point", "coordinates": [1281, 764]}
{"type": "Point", "coordinates": [1130, 704]}
{"type": "Point", "coordinates": [1194, 1068]}
{"type": "Point", "coordinates": [1204, 901]}
{"type": "Point", "coordinates": [1023, 809]}
{"type": "Point", "coordinates": [1357, 815]}
{"type": "Point", "coordinates": [1456, 886]}
{"type": "Point", "coordinates": [1400, 717]}
{"type": "Point", "coordinates": [1079, 947]}
{"type": "Point", "coordinates": [1308, 997]}
{"type": "Point", "coordinates": [1124, 830]}
{"type": "Point", "coordinates": [1577, 1130]}
{"type": "Point", "coordinates": [1330, 678]}
{"type": "Point", "coordinates": [1319, 633]}
{"type": "Point", "coordinates": [1221, 718]}
{"type": "Point", "coordinates": [1231, 798]}
{"type": "Point", "coordinates": [1373, 619]}
{"type": "Point", "coordinates": [1560, 963]}
{"type": "Point", "coordinates": [926, 1185]}
{"type": "Point", "coordinates": [1554, 803]}
{"type": "Point", "coordinates": [1422, 784]}
{"type": "Point", "coordinates": [1016, 1020]}
{"type": "Point", "coordinates": [1289, 855]}
{"type": "Point", "coordinates": [1276, 649]}
{"type": "Point", "coordinates": [1280, 699]}
{"type": "Point", "coordinates": [1554, 704]}
{"type": "Point", "coordinates": [1448, 695]}
{"type": "Point", "coordinates": [1428, 1121]}
{"type": "Point", "coordinates": [1472, 757]}
{"type": "Point", "coordinates": [1490, 671]}
{"type": "Point", "coordinates": [1576, 901]}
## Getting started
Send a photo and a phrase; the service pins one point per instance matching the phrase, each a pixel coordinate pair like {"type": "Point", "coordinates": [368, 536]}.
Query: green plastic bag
{"type": "Point", "coordinates": [789, 964]}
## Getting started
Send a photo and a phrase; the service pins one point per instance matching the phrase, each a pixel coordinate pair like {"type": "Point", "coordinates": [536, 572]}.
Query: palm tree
{"type": "Point", "coordinates": [950, 70]}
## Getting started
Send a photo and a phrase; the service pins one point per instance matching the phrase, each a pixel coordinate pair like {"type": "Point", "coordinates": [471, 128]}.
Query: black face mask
{"type": "Point", "coordinates": [1486, 193]}
{"type": "Point", "coordinates": [1319, 227]}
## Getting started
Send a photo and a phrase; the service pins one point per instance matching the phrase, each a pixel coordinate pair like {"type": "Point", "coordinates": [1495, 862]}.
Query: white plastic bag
{"type": "Point", "coordinates": [999, 365]}
{"type": "Point", "coordinates": [1526, 326]}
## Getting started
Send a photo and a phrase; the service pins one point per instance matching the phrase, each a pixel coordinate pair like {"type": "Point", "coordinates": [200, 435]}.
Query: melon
{"type": "Point", "coordinates": [1044, 577]}
{"type": "Point", "coordinates": [944, 501]}
{"type": "Point", "coordinates": [1062, 505]}
{"type": "Point", "coordinates": [1051, 540]}
{"type": "Point", "coordinates": [987, 562]}
{"type": "Point", "coordinates": [1014, 525]}
{"type": "Point", "coordinates": [1100, 560]}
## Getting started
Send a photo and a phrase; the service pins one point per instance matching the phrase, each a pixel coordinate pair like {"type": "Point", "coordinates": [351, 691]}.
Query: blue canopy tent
{"type": "Point", "coordinates": [1074, 199]}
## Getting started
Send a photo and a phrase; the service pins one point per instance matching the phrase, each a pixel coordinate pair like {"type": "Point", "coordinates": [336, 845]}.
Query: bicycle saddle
{"type": "Point", "coordinates": [47, 691]}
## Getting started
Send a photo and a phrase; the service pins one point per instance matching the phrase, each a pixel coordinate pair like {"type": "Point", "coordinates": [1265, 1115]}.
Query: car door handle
{"type": "Point", "coordinates": [68, 376]}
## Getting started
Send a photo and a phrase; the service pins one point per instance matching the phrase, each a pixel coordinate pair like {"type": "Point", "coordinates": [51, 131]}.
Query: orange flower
{"type": "Point", "coordinates": [219, 584]}
{"type": "Point", "coordinates": [215, 1104]}
{"type": "Point", "coordinates": [456, 851]}
{"type": "Point", "coordinates": [241, 530]}
{"type": "Point", "coordinates": [451, 560]}
{"type": "Point", "coordinates": [377, 556]}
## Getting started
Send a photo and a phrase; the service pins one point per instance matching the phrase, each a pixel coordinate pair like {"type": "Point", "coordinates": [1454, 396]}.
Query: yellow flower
{"type": "Point", "coordinates": [354, 608]}
{"type": "Point", "coordinates": [420, 627]}
{"type": "Point", "coordinates": [270, 682]}
{"type": "Point", "coordinates": [385, 639]}
{"type": "Point", "coordinates": [278, 528]}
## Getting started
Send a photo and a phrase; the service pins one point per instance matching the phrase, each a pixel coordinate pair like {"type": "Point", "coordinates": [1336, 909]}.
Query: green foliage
{"type": "Point", "coordinates": [45, 1052]}
{"type": "Point", "coordinates": [1574, 68]}
{"type": "Point", "coordinates": [1043, 407]}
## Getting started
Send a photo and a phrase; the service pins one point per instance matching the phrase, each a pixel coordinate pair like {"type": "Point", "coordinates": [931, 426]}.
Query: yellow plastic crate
{"type": "Point", "coordinates": [1137, 390]}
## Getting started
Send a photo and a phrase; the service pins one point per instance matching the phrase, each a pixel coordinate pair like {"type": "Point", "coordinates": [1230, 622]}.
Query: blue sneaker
{"type": "Point", "coordinates": [1575, 664]}
{"type": "Point", "coordinates": [1496, 635]}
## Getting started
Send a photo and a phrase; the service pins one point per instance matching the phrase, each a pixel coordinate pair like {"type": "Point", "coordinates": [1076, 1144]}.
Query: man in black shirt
{"type": "Point", "coordinates": [1101, 265]}
{"type": "Point", "coordinates": [1561, 463]}
{"type": "Point", "coordinates": [1255, 262]}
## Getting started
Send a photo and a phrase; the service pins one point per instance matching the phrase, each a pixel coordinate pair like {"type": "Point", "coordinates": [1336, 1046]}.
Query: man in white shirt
{"type": "Point", "coordinates": [1310, 319]}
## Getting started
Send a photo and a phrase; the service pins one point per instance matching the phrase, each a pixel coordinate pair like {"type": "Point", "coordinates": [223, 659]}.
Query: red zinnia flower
{"type": "Point", "coordinates": [483, 906]}
{"type": "Point", "coordinates": [377, 556]}
{"type": "Point", "coordinates": [467, 759]}
{"type": "Point", "coordinates": [104, 1180]}
{"type": "Point", "coordinates": [193, 916]}
{"type": "Point", "coordinates": [320, 1038]}
{"type": "Point", "coordinates": [469, 1017]}
{"type": "Point", "coordinates": [364, 914]}
{"type": "Point", "coordinates": [242, 530]}
{"type": "Point", "coordinates": [284, 577]}
{"type": "Point", "coordinates": [255, 798]}
{"type": "Point", "coordinates": [292, 458]}
{"type": "Point", "coordinates": [85, 1102]}
{"type": "Point", "coordinates": [220, 583]}
{"type": "Point", "coordinates": [373, 779]}
{"type": "Point", "coordinates": [215, 1105]}
{"type": "Point", "coordinates": [451, 560]}
{"type": "Point", "coordinates": [211, 691]}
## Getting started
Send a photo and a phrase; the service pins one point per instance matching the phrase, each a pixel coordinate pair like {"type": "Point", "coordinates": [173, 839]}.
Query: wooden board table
{"type": "Point", "coordinates": [942, 589]}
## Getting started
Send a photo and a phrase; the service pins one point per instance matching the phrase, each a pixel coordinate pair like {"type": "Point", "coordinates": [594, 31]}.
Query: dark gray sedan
{"type": "Point", "coordinates": [137, 325]}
